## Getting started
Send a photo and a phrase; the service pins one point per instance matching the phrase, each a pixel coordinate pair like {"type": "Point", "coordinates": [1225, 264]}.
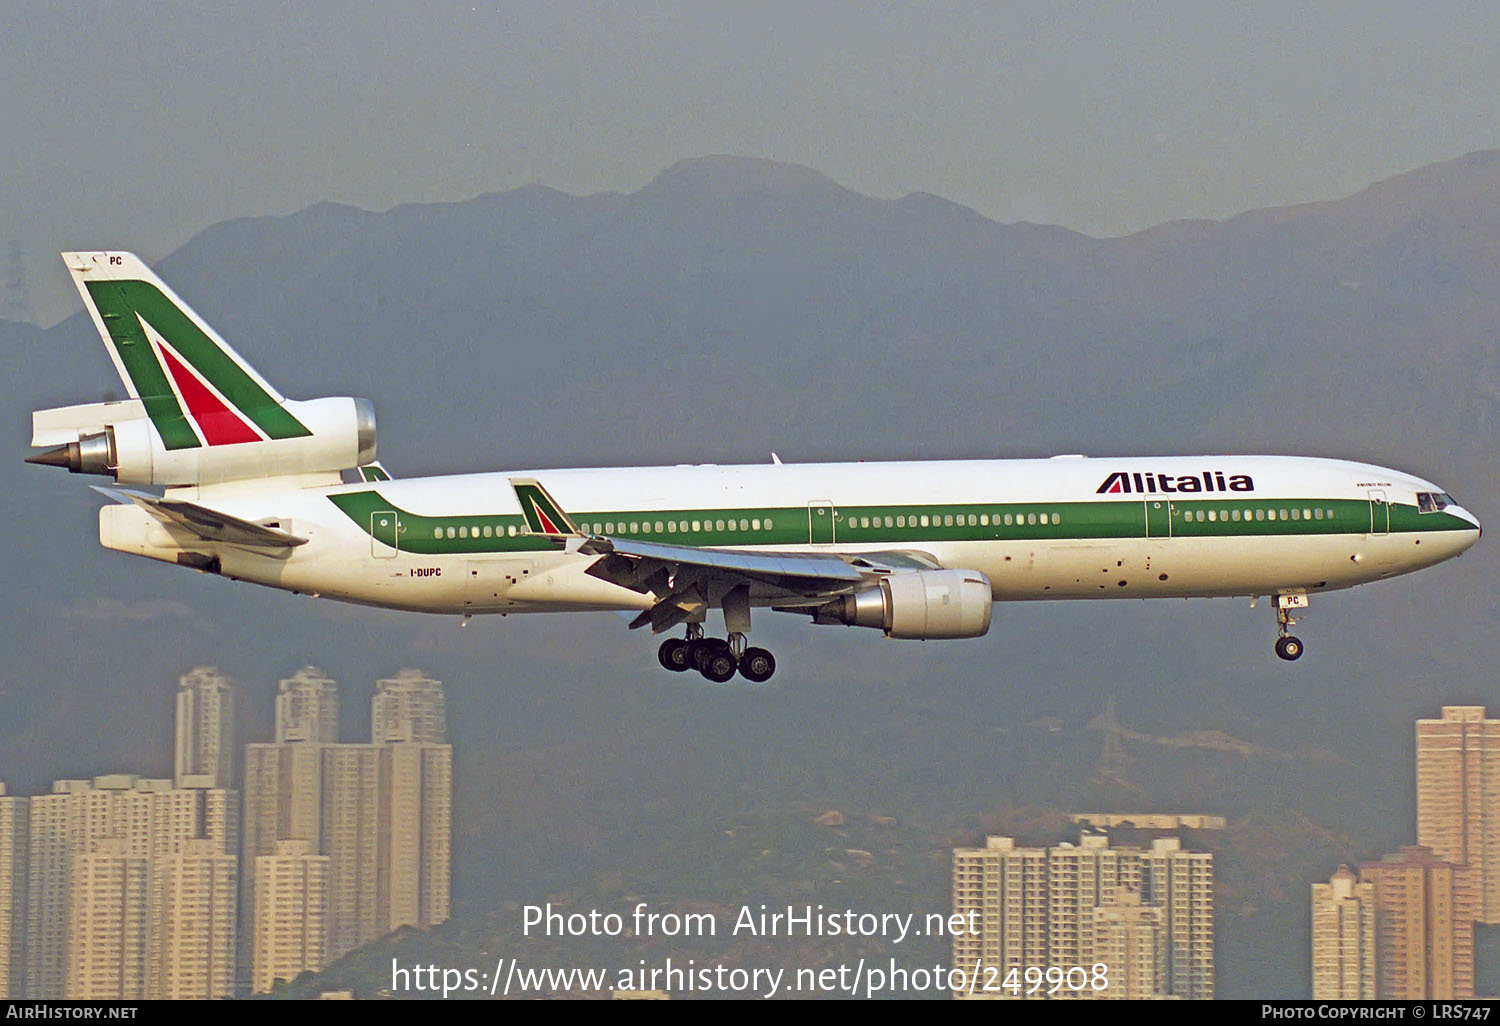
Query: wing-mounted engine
{"type": "Point", "coordinates": [921, 605]}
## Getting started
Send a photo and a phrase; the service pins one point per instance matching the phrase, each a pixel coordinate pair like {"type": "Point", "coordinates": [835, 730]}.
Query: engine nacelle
{"type": "Point", "coordinates": [119, 440]}
{"type": "Point", "coordinates": [925, 604]}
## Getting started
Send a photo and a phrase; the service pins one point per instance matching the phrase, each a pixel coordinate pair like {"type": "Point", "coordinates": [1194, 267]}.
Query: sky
{"type": "Point", "coordinates": [138, 124]}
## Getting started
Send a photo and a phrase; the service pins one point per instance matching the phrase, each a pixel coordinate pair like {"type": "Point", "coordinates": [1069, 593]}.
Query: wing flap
{"type": "Point", "coordinates": [795, 565]}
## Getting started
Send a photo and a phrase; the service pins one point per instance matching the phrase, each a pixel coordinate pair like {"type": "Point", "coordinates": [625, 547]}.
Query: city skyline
{"type": "Point", "coordinates": [123, 887]}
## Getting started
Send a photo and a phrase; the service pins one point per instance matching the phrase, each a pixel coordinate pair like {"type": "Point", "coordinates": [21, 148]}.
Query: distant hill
{"type": "Point", "coordinates": [734, 307]}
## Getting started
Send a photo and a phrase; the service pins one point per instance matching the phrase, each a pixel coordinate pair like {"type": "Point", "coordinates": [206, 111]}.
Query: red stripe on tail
{"type": "Point", "coordinates": [220, 424]}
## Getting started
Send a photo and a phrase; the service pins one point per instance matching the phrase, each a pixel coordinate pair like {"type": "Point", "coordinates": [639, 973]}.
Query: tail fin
{"type": "Point", "coordinates": [195, 388]}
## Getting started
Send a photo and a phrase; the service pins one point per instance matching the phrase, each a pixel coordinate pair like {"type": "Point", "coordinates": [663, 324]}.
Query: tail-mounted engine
{"type": "Point", "coordinates": [122, 440]}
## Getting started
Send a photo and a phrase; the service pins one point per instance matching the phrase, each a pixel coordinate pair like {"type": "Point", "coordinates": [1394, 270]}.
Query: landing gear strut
{"type": "Point", "coordinates": [1288, 647]}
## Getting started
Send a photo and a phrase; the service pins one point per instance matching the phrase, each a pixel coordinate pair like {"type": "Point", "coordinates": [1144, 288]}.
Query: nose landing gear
{"type": "Point", "coordinates": [1288, 647]}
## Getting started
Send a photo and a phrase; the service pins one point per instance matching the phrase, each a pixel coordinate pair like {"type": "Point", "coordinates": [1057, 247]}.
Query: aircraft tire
{"type": "Point", "coordinates": [719, 664]}
{"type": "Point", "coordinates": [757, 665]}
{"type": "Point", "coordinates": [674, 655]}
{"type": "Point", "coordinates": [1289, 648]}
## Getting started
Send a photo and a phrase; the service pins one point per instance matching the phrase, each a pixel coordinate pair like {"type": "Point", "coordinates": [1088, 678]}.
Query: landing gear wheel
{"type": "Point", "coordinates": [718, 663]}
{"type": "Point", "coordinates": [699, 649]}
{"type": "Point", "coordinates": [674, 654]}
{"type": "Point", "coordinates": [1289, 648]}
{"type": "Point", "coordinates": [757, 665]}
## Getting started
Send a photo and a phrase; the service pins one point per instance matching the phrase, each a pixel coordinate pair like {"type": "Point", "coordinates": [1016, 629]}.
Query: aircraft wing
{"type": "Point", "coordinates": [685, 581]}
{"type": "Point", "coordinates": [208, 524]}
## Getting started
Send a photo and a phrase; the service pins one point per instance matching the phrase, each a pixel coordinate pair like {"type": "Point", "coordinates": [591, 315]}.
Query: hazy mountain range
{"type": "Point", "coordinates": [734, 307]}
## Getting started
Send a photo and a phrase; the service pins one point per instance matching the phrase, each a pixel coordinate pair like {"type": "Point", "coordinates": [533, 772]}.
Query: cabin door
{"type": "Point", "coordinates": [820, 522]}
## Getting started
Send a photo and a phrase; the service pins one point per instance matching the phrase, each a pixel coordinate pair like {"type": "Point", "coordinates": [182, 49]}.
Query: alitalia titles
{"type": "Point", "coordinates": [1148, 483]}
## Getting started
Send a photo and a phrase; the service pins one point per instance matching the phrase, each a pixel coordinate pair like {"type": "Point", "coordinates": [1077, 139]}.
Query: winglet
{"type": "Point", "coordinates": [543, 515]}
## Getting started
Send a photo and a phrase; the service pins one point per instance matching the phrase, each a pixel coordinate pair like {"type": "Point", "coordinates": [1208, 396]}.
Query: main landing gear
{"type": "Point", "coordinates": [1287, 646]}
{"type": "Point", "coordinates": [716, 658]}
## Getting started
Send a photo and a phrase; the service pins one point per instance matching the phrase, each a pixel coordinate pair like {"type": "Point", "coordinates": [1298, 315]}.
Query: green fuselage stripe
{"type": "Point", "coordinates": [119, 303]}
{"type": "Point", "coordinates": [909, 524]}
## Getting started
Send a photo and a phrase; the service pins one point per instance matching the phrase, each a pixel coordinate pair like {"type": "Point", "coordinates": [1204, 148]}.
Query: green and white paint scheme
{"type": "Point", "coordinates": [254, 489]}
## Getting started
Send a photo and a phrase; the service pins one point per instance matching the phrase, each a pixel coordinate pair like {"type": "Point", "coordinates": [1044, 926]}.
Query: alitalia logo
{"type": "Point", "coordinates": [1147, 483]}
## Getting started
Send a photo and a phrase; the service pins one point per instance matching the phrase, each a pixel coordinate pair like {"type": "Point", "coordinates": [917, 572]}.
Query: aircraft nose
{"type": "Point", "coordinates": [1478, 527]}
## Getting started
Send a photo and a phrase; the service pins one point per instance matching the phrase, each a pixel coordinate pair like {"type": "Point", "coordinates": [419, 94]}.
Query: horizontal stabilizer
{"type": "Point", "coordinates": [208, 524]}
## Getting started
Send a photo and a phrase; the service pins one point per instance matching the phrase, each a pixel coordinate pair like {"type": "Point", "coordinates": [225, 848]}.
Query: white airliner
{"type": "Point", "coordinates": [254, 490]}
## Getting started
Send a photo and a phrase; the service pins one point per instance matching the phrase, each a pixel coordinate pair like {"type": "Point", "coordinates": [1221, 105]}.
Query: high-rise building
{"type": "Point", "coordinates": [1000, 890]}
{"type": "Point", "coordinates": [307, 707]}
{"type": "Point", "coordinates": [1343, 939]}
{"type": "Point", "coordinates": [205, 730]}
{"type": "Point", "coordinates": [93, 847]}
{"type": "Point", "coordinates": [1182, 883]}
{"type": "Point", "coordinates": [13, 844]}
{"type": "Point", "coordinates": [1055, 906]}
{"type": "Point", "coordinates": [1130, 943]}
{"type": "Point", "coordinates": [351, 838]}
{"type": "Point", "coordinates": [108, 922]}
{"type": "Point", "coordinates": [193, 912]}
{"type": "Point", "coordinates": [291, 914]}
{"type": "Point", "coordinates": [1458, 797]}
{"type": "Point", "coordinates": [381, 813]}
{"type": "Point", "coordinates": [1424, 926]}
{"type": "Point", "coordinates": [408, 707]}
{"type": "Point", "coordinates": [1080, 879]}
{"type": "Point", "coordinates": [416, 795]}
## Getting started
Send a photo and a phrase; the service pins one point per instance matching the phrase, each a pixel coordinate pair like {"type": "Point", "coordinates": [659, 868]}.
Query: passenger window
{"type": "Point", "coordinates": [1318, 514]}
{"type": "Point", "coordinates": [1031, 518]}
{"type": "Point", "coordinates": [1296, 515]}
{"type": "Point", "coordinates": [1057, 518]}
{"type": "Point", "coordinates": [1260, 514]}
{"type": "Point", "coordinates": [697, 526]}
{"type": "Point", "coordinates": [984, 520]}
{"type": "Point", "coordinates": [924, 520]}
{"type": "Point", "coordinates": [948, 520]}
{"type": "Point", "coordinates": [437, 532]}
{"type": "Point", "coordinates": [768, 524]}
{"type": "Point", "coordinates": [1211, 515]}
{"type": "Point", "coordinates": [901, 521]}
{"type": "Point", "coordinates": [452, 533]}
{"type": "Point", "coordinates": [671, 527]}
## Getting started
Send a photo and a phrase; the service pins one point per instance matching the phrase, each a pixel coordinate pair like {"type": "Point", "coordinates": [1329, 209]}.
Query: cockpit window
{"type": "Point", "coordinates": [1432, 502]}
